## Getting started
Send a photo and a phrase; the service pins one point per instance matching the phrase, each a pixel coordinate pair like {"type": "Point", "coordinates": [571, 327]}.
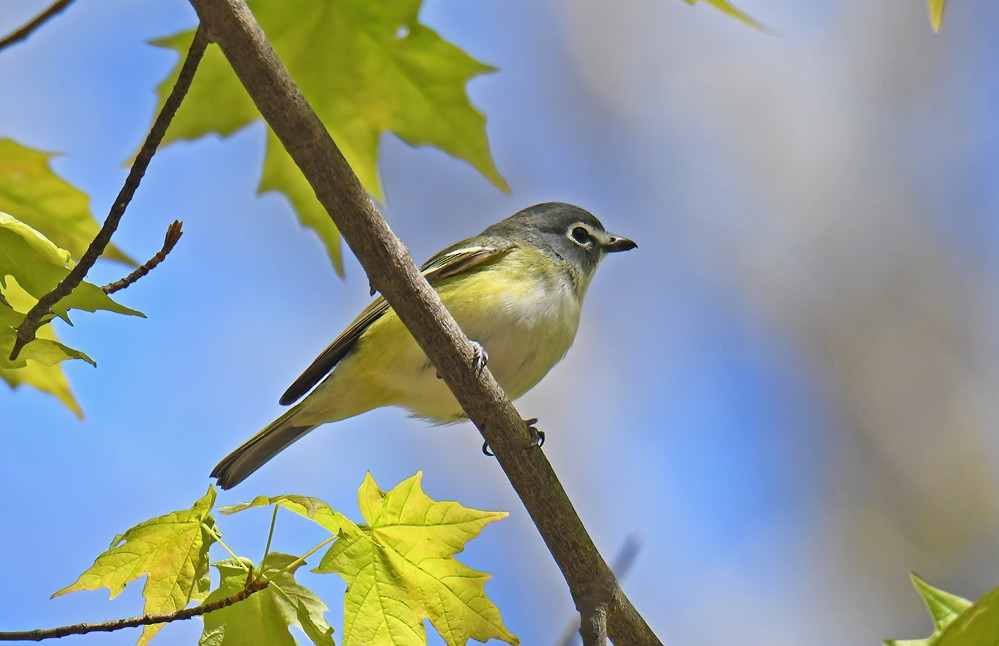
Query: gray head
{"type": "Point", "coordinates": [564, 232]}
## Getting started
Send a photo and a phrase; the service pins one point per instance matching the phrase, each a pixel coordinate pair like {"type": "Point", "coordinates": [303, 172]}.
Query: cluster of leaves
{"type": "Point", "coordinates": [399, 567]}
{"type": "Point", "coordinates": [33, 199]}
{"type": "Point", "coordinates": [956, 621]}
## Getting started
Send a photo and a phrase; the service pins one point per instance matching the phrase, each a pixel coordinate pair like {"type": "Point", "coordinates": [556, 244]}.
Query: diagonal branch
{"type": "Point", "coordinates": [34, 318]}
{"type": "Point", "coordinates": [252, 586]}
{"type": "Point", "coordinates": [393, 273]}
{"type": "Point", "coordinates": [35, 23]}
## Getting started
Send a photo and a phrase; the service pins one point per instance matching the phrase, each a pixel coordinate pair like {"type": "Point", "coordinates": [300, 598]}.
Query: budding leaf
{"type": "Point", "coordinates": [264, 617]}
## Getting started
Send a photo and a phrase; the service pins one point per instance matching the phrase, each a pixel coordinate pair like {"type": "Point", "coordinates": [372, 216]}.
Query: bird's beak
{"type": "Point", "coordinates": [615, 243]}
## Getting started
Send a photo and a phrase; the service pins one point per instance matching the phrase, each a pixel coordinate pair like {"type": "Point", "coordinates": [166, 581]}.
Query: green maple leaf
{"type": "Point", "coordinates": [306, 506]}
{"type": "Point", "coordinates": [46, 202]}
{"type": "Point", "coordinates": [30, 266]}
{"type": "Point", "coordinates": [38, 364]}
{"type": "Point", "coordinates": [37, 265]}
{"type": "Point", "coordinates": [956, 621]}
{"type": "Point", "coordinates": [264, 617]}
{"type": "Point", "coordinates": [936, 8]}
{"type": "Point", "coordinates": [366, 68]}
{"type": "Point", "coordinates": [171, 549]}
{"type": "Point", "coordinates": [401, 569]}
{"type": "Point", "coordinates": [728, 9]}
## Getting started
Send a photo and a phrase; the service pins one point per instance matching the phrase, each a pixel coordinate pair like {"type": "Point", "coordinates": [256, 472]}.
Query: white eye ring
{"type": "Point", "coordinates": [580, 235]}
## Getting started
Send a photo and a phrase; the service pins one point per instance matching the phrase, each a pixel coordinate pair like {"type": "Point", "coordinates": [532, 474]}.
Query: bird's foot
{"type": "Point", "coordinates": [537, 437]}
{"type": "Point", "coordinates": [480, 357]}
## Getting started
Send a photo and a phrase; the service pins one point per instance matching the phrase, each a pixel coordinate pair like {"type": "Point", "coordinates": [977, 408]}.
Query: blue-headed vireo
{"type": "Point", "coordinates": [516, 290]}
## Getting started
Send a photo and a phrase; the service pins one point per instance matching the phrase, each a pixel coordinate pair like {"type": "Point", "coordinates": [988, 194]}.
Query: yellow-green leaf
{"type": "Point", "coordinates": [264, 617]}
{"type": "Point", "coordinates": [312, 508]}
{"type": "Point", "coordinates": [37, 265]}
{"type": "Point", "coordinates": [400, 569]}
{"type": "Point", "coordinates": [171, 549]}
{"type": "Point", "coordinates": [956, 621]}
{"type": "Point", "coordinates": [366, 68]}
{"type": "Point", "coordinates": [31, 265]}
{"type": "Point", "coordinates": [46, 202]}
{"type": "Point", "coordinates": [936, 8]}
{"type": "Point", "coordinates": [727, 8]}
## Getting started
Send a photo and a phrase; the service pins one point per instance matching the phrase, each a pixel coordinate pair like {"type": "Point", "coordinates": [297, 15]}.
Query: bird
{"type": "Point", "coordinates": [516, 290]}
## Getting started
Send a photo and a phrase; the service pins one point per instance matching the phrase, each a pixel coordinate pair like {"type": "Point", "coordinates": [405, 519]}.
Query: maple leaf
{"type": "Point", "coordinates": [264, 617]}
{"type": "Point", "coordinates": [956, 621]}
{"type": "Point", "coordinates": [366, 68]}
{"type": "Point", "coordinates": [306, 506]}
{"type": "Point", "coordinates": [400, 568]}
{"type": "Point", "coordinates": [46, 202]}
{"type": "Point", "coordinates": [30, 266]}
{"type": "Point", "coordinates": [171, 549]}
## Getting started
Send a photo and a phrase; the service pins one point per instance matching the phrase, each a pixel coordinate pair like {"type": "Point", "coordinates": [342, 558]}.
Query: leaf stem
{"type": "Point", "coordinates": [218, 539]}
{"type": "Point", "coordinates": [270, 535]}
{"type": "Point", "coordinates": [301, 559]}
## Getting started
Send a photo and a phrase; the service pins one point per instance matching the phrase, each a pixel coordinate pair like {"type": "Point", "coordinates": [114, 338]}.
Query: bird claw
{"type": "Point", "coordinates": [480, 357]}
{"type": "Point", "coordinates": [537, 437]}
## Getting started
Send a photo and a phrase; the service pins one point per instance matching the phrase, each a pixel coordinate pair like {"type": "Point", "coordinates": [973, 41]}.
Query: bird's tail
{"type": "Point", "coordinates": [255, 452]}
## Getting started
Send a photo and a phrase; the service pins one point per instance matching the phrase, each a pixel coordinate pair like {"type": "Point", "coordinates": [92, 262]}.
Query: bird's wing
{"type": "Point", "coordinates": [447, 263]}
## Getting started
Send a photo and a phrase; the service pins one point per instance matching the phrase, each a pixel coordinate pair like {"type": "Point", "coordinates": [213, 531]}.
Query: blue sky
{"type": "Point", "coordinates": [783, 393]}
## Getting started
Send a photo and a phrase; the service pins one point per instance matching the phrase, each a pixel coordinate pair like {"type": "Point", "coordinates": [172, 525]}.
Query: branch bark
{"type": "Point", "coordinates": [393, 273]}
{"type": "Point", "coordinates": [252, 586]}
{"type": "Point", "coordinates": [34, 24]}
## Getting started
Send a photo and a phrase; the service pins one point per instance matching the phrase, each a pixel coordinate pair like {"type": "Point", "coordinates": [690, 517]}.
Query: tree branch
{"type": "Point", "coordinates": [252, 587]}
{"type": "Point", "coordinates": [33, 319]}
{"type": "Point", "coordinates": [623, 561]}
{"type": "Point", "coordinates": [393, 273]}
{"type": "Point", "coordinates": [35, 23]}
{"type": "Point", "coordinates": [169, 241]}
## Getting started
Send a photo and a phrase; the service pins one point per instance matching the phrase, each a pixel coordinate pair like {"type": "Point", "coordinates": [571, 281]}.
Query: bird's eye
{"type": "Point", "coordinates": [581, 236]}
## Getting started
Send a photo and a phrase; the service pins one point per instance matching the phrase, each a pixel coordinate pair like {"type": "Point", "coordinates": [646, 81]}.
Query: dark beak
{"type": "Point", "coordinates": [617, 243]}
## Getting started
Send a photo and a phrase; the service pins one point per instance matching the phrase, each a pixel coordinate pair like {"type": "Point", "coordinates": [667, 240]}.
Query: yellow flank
{"type": "Point", "coordinates": [526, 322]}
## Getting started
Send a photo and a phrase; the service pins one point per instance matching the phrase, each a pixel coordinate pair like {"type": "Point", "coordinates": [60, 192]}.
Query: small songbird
{"type": "Point", "coordinates": [516, 290]}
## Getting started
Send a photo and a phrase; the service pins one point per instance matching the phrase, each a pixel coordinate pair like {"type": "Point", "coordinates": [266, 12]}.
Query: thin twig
{"type": "Point", "coordinates": [172, 236]}
{"type": "Point", "coordinates": [33, 319]}
{"type": "Point", "coordinates": [252, 586]}
{"type": "Point", "coordinates": [392, 272]}
{"type": "Point", "coordinates": [37, 22]}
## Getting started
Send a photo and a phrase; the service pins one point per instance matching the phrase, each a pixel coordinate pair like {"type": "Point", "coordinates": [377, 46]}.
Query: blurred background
{"type": "Point", "coordinates": [786, 394]}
